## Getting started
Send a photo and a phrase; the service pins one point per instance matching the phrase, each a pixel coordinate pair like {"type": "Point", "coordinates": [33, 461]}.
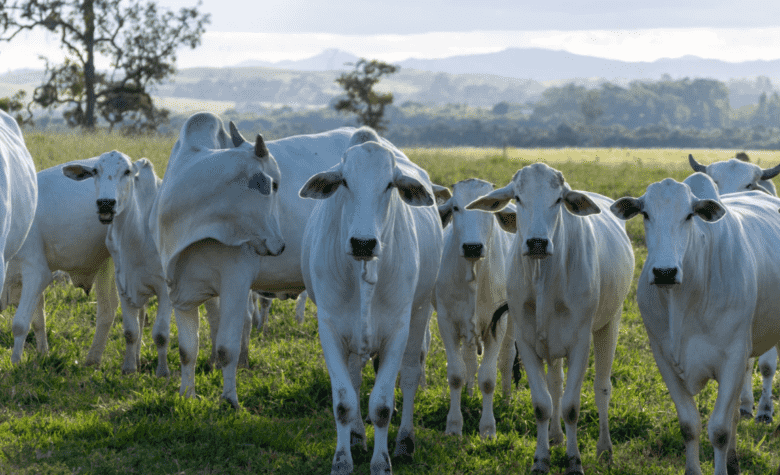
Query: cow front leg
{"type": "Point", "coordinates": [345, 399]}
{"type": "Point", "coordinates": [132, 327]}
{"type": "Point", "coordinates": [162, 330]}
{"type": "Point", "coordinates": [187, 322]}
{"type": "Point", "coordinates": [456, 370]}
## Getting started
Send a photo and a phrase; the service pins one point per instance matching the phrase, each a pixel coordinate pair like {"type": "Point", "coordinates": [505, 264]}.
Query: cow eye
{"type": "Point", "coordinates": [558, 200]}
{"type": "Point", "coordinates": [344, 182]}
{"type": "Point", "coordinates": [645, 215]}
{"type": "Point", "coordinates": [455, 209]}
{"type": "Point", "coordinates": [127, 172]}
{"type": "Point", "coordinates": [276, 186]}
{"type": "Point", "coordinates": [389, 185]}
{"type": "Point", "coordinates": [688, 218]}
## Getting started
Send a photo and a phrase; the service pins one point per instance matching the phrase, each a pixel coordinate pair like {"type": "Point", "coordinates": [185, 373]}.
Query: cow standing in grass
{"type": "Point", "coordinates": [568, 274]}
{"type": "Point", "coordinates": [471, 284]}
{"type": "Point", "coordinates": [708, 298]}
{"type": "Point", "coordinates": [64, 236]}
{"type": "Point", "coordinates": [733, 176]}
{"type": "Point", "coordinates": [370, 258]}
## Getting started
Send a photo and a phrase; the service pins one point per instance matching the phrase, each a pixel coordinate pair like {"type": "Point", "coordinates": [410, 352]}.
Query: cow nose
{"type": "Point", "coordinates": [106, 205]}
{"type": "Point", "coordinates": [537, 247]}
{"type": "Point", "coordinates": [665, 275]}
{"type": "Point", "coordinates": [362, 248]}
{"type": "Point", "coordinates": [472, 251]}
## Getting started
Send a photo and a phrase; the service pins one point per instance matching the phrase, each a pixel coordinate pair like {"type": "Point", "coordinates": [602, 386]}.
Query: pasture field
{"type": "Point", "coordinates": [58, 416]}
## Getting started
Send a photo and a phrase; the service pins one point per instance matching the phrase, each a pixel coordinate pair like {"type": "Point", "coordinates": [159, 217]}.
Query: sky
{"type": "Point", "coordinates": [393, 30]}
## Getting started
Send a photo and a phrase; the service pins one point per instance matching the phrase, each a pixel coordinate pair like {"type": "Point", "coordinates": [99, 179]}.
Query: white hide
{"type": "Point", "coordinates": [567, 277]}
{"type": "Point", "coordinates": [65, 235]}
{"type": "Point", "coordinates": [130, 188]}
{"type": "Point", "coordinates": [733, 176]}
{"type": "Point", "coordinates": [18, 197]}
{"type": "Point", "coordinates": [471, 284]}
{"type": "Point", "coordinates": [201, 260]}
{"type": "Point", "coordinates": [708, 298]}
{"type": "Point", "coordinates": [370, 258]}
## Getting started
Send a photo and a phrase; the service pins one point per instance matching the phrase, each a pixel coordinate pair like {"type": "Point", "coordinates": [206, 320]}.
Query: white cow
{"type": "Point", "coordinates": [124, 192]}
{"type": "Point", "coordinates": [263, 307]}
{"type": "Point", "coordinates": [734, 176]}
{"type": "Point", "coordinates": [204, 221]}
{"type": "Point", "coordinates": [471, 284]}
{"type": "Point", "coordinates": [18, 196]}
{"type": "Point", "coordinates": [64, 236]}
{"type": "Point", "coordinates": [568, 274]}
{"type": "Point", "coordinates": [708, 298]}
{"type": "Point", "coordinates": [371, 254]}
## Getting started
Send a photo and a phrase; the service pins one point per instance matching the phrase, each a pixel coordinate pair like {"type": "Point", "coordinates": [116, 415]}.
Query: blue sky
{"type": "Point", "coordinates": [393, 30]}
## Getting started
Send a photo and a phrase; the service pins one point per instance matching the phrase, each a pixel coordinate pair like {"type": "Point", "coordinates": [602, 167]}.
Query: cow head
{"type": "Point", "coordinates": [472, 229]}
{"type": "Point", "coordinates": [265, 181]}
{"type": "Point", "coordinates": [115, 176]}
{"type": "Point", "coordinates": [668, 208]}
{"type": "Point", "coordinates": [736, 175]}
{"type": "Point", "coordinates": [541, 194]}
{"type": "Point", "coordinates": [367, 182]}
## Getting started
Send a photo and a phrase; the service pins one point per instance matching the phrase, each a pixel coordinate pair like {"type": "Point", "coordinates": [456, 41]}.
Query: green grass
{"type": "Point", "coordinates": [57, 416]}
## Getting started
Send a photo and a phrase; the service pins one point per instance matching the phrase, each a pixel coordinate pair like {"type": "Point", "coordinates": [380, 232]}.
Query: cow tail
{"type": "Point", "coordinates": [517, 367]}
{"type": "Point", "coordinates": [500, 311]}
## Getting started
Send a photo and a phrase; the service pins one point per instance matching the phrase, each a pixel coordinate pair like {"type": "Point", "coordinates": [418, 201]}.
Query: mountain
{"type": "Point", "coordinates": [329, 60]}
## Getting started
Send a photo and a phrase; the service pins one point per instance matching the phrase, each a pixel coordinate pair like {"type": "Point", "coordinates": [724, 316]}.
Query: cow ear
{"type": "Point", "coordinates": [507, 219]}
{"type": "Point", "coordinates": [493, 201]}
{"type": "Point", "coordinates": [235, 135]}
{"type": "Point", "coordinates": [626, 208]}
{"type": "Point", "coordinates": [261, 182]}
{"type": "Point", "coordinates": [78, 172]}
{"type": "Point", "coordinates": [322, 185]}
{"type": "Point", "coordinates": [411, 191]}
{"type": "Point", "coordinates": [445, 213]}
{"type": "Point", "coordinates": [708, 210]}
{"type": "Point", "coordinates": [580, 204]}
{"type": "Point", "coordinates": [139, 165]}
{"type": "Point", "coordinates": [441, 193]}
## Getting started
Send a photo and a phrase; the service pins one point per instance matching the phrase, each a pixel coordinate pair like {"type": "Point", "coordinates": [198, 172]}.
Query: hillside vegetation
{"type": "Point", "coordinates": [59, 417]}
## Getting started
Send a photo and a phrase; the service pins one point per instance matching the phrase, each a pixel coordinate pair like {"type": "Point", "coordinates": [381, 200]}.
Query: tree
{"type": "Point", "coordinates": [138, 41]}
{"type": "Point", "coordinates": [14, 105]}
{"type": "Point", "coordinates": [361, 98]}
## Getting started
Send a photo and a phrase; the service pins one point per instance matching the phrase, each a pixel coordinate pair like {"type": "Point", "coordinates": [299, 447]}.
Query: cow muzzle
{"type": "Point", "coordinates": [363, 249]}
{"type": "Point", "coordinates": [665, 277]}
{"type": "Point", "coordinates": [473, 251]}
{"type": "Point", "coordinates": [106, 210]}
{"type": "Point", "coordinates": [537, 248]}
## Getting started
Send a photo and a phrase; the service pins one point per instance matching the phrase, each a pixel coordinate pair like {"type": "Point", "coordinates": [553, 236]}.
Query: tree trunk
{"type": "Point", "coordinates": [89, 67]}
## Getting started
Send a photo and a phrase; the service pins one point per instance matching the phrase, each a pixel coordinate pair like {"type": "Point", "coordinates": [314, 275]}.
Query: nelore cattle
{"type": "Point", "coordinates": [734, 176]}
{"type": "Point", "coordinates": [708, 298]}
{"type": "Point", "coordinates": [568, 274]}
{"type": "Point", "coordinates": [471, 284]}
{"type": "Point", "coordinates": [370, 260]}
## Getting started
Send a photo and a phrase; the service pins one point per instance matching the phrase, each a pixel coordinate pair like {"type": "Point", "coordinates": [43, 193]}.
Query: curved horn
{"type": "Point", "coordinates": [235, 135]}
{"type": "Point", "coordinates": [697, 167]}
{"type": "Point", "coordinates": [770, 172]}
{"type": "Point", "coordinates": [260, 149]}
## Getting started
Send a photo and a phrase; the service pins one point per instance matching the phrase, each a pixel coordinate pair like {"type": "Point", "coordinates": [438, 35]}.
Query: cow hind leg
{"type": "Point", "coordinates": [39, 326]}
{"type": "Point", "coordinates": [33, 284]}
{"type": "Point", "coordinates": [107, 303]}
{"type": "Point", "coordinates": [746, 396]}
{"type": "Point", "coordinates": [381, 402]}
{"type": "Point", "coordinates": [604, 345]}
{"type": "Point", "coordinates": [487, 383]}
{"type": "Point", "coordinates": [555, 388]}
{"type": "Point", "coordinates": [261, 311]}
{"type": "Point", "coordinates": [506, 361]}
{"type": "Point", "coordinates": [161, 331]}
{"type": "Point", "coordinates": [767, 365]}
{"type": "Point", "coordinates": [213, 316]}
{"type": "Point", "coordinates": [187, 322]}
{"type": "Point", "coordinates": [300, 306]}
{"type": "Point", "coordinates": [456, 371]}
{"type": "Point", "coordinates": [234, 317]}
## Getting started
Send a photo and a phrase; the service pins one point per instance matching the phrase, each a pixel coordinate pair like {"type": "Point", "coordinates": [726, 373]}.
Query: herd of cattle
{"type": "Point", "coordinates": [381, 247]}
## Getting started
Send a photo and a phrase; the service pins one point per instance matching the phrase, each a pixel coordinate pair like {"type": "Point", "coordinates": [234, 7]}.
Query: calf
{"type": "Point", "coordinates": [371, 253]}
{"type": "Point", "coordinates": [708, 298]}
{"type": "Point", "coordinates": [568, 274]}
{"type": "Point", "coordinates": [471, 283]}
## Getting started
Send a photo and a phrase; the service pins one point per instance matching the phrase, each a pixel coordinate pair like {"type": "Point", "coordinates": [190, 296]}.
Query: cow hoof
{"type": "Point", "coordinates": [454, 428]}
{"type": "Point", "coordinates": [764, 418]}
{"type": "Point", "coordinates": [404, 446]}
{"type": "Point", "coordinates": [745, 414]}
{"type": "Point", "coordinates": [732, 464]}
{"type": "Point", "coordinates": [604, 452]}
{"type": "Point", "coordinates": [574, 466]}
{"type": "Point", "coordinates": [382, 466]}
{"type": "Point", "coordinates": [541, 465]}
{"type": "Point", "coordinates": [232, 401]}
{"type": "Point", "coordinates": [162, 372]}
{"type": "Point", "coordinates": [128, 370]}
{"type": "Point", "coordinates": [342, 463]}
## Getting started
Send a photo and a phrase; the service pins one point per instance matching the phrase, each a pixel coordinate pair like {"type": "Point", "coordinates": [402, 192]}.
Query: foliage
{"type": "Point", "coordinates": [61, 417]}
{"type": "Point", "coordinates": [137, 39]}
{"type": "Point", "coordinates": [362, 99]}
{"type": "Point", "coordinates": [14, 105]}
